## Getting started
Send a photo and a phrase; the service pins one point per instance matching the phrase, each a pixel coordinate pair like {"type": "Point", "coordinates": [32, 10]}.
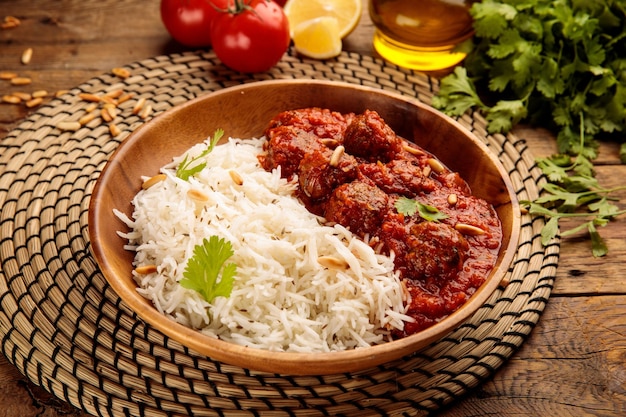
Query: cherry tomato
{"type": "Point", "coordinates": [252, 36]}
{"type": "Point", "coordinates": [189, 21]}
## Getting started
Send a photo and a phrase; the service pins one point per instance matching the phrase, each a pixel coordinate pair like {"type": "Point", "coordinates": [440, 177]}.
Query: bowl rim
{"type": "Point", "coordinates": [295, 363]}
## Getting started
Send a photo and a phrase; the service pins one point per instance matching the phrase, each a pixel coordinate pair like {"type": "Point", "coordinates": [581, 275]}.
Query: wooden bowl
{"type": "Point", "coordinates": [244, 111]}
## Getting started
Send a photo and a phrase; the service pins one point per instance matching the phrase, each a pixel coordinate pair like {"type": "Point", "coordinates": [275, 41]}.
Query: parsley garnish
{"type": "Point", "coordinates": [558, 64]}
{"type": "Point", "coordinates": [203, 269]}
{"type": "Point", "coordinates": [185, 170]}
{"type": "Point", "coordinates": [409, 207]}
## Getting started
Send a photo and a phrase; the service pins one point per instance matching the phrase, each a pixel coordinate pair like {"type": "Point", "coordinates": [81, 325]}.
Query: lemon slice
{"type": "Point", "coordinates": [318, 38]}
{"type": "Point", "coordinates": [347, 13]}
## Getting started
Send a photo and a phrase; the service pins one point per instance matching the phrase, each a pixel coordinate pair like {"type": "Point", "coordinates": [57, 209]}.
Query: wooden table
{"type": "Point", "coordinates": [573, 363]}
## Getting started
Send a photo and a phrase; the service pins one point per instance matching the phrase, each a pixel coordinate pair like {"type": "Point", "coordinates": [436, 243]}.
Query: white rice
{"type": "Point", "coordinates": [283, 299]}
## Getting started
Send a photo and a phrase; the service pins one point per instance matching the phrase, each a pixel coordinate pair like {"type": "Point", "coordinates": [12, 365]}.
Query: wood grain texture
{"type": "Point", "coordinates": [573, 363]}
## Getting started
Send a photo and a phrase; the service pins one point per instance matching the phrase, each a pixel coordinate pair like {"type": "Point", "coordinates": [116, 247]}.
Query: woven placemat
{"type": "Point", "coordinates": [67, 331]}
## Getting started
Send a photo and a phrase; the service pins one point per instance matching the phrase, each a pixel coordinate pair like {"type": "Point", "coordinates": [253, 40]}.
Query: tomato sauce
{"type": "Point", "coordinates": [352, 169]}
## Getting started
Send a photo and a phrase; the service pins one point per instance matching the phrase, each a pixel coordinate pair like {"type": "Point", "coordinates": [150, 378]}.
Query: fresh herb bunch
{"type": "Point", "coordinates": [560, 64]}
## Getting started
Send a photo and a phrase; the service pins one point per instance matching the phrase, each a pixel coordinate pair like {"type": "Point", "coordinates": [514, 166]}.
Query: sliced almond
{"type": "Point", "coordinates": [153, 180]}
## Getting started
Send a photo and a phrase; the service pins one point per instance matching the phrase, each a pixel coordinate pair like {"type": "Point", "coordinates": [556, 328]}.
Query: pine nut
{"type": "Point", "coordinates": [87, 118]}
{"type": "Point", "coordinates": [146, 269]}
{"type": "Point", "coordinates": [412, 150]}
{"type": "Point", "coordinates": [34, 102]}
{"type": "Point", "coordinates": [436, 165]}
{"type": "Point", "coordinates": [21, 81]}
{"type": "Point", "coordinates": [124, 98]}
{"type": "Point", "coordinates": [22, 96]}
{"type": "Point", "coordinates": [11, 99]}
{"type": "Point", "coordinates": [236, 177]}
{"type": "Point", "coordinates": [468, 229]}
{"type": "Point", "coordinates": [114, 93]}
{"type": "Point", "coordinates": [7, 75]}
{"type": "Point", "coordinates": [40, 93]}
{"type": "Point", "coordinates": [27, 55]}
{"type": "Point", "coordinates": [145, 112]}
{"type": "Point", "coordinates": [59, 93]}
{"type": "Point", "coordinates": [427, 170]}
{"type": "Point", "coordinates": [330, 143]}
{"type": "Point", "coordinates": [89, 97]}
{"type": "Point", "coordinates": [91, 107]}
{"type": "Point", "coordinates": [114, 129]}
{"type": "Point", "coordinates": [106, 116]}
{"type": "Point", "coordinates": [452, 199]}
{"type": "Point", "coordinates": [331, 262]}
{"type": "Point", "coordinates": [121, 72]}
{"type": "Point", "coordinates": [336, 156]}
{"type": "Point", "coordinates": [139, 105]}
{"type": "Point", "coordinates": [10, 22]}
{"type": "Point", "coordinates": [73, 126]}
{"type": "Point", "coordinates": [153, 180]}
{"type": "Point", "coordinates": [198, 196]}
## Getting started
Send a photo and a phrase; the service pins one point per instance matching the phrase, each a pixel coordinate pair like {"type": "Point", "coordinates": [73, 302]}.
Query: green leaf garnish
{"type": "Point", "coordinates": [409, 207]}
{"type": "Point", "coordinates": [186, 170]}
{"type": "Point", "coordinates": [203, 269]}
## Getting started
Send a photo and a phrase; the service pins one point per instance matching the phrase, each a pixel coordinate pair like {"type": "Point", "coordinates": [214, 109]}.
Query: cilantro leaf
{"type": "Point", "coordinates": [186, 170]}
{"type": "Point", "coordinates": [203, 269]}
{"type": "Point", "coordinates": [409, 207]}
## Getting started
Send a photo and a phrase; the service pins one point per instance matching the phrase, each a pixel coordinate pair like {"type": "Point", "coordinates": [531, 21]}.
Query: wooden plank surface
{"type": "Point", "coordinates": [573, 363]}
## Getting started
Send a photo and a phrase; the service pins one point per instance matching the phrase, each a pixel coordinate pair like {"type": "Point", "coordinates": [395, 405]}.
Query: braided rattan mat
{"type": "Point", "coordinates": [65, 329]}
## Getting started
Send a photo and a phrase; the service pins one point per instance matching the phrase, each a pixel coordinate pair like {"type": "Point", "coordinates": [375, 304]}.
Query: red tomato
{"type": "Point", "coordinates": [189, 21]}
{"type": "Point", "coordinates": [252, 36]}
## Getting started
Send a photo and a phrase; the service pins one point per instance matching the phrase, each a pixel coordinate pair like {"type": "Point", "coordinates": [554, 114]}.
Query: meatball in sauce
{"type": "Point", "coordinates": [353, 169]}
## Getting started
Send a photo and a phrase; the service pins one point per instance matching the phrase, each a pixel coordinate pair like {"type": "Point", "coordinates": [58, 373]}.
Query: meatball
{"type": "Point", "coordinates": [435, 251]}
{"type": "Point", "coordinates": [400, 176]}
{"type": "Point", "coordinates": [369, 137]}
{"type": "Point", "coordinates": [323, 123]}
{"type": "Point", "coordinates": [318, 177]}
{"type": "Point", "coordinates": [286, 148]}
{"type": "Point", "coordinates": [358, 206]}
